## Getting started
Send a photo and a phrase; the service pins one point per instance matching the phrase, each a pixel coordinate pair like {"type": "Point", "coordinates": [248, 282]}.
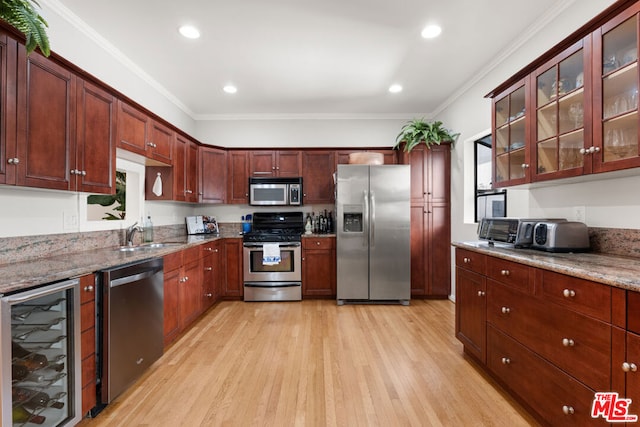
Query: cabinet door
{"type": "Point", "coordinates": [561, 94]}
{"type": "Point", "coordinates": [510, 126]}
{"type": "Point", "coordinates": [233, 285]}
{"type": "Point", "coordinates": [632, 374]}
{"type": "Point", "coordinates": [289, 163]}
{"type": "Point", "coordinates": [616, 139]}
{"type": "Point", "coordinates": [439, 249]}
{"type": "Point", "coordinates": [317, 178]}
{"type": "Point", "coordinates": [7, 109]}
{"type": "Point", "coordinates": [419, 260]}
{"type": "Point", "coordinates": [190, 292]}
{"type": "Point", "coordinates": [132, 129]}
{"type": "Point", "coordinates": [96, 139]}
{"type": "Point", "coordinates": [172, 283]}
{"type": "Point", "coordinates": [238, 177]}
{"type": "Point", "coordinates": [46, 122]}
{"type": "Point", "coordinates": [471, 312]}
{"type": "Point", "coordinates": [191, 172]}
{"type": "Point", "coordinates": [319, 267]}
{"type": "Point", "coordinates": [179, 169]}
{"type": "Point", "coordinates": [213, 175]}
{"type": "Point", "coordinates": [160, 144]}
{"type": "Point", "coordinates": [262, 164]}
{"type": "Point", "coordinates": [88, 341]}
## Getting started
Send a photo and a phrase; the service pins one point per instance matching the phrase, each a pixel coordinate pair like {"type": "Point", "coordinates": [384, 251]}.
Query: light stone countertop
{"type": "Point", "coordinates": [31, 273]}
{"type": "Point", "coordinates": [619, 271]}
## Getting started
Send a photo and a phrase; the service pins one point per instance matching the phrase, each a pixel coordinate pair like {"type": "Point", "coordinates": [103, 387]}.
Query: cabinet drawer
{"type": "Point", "coordinates": [579, 345]}
{"type": "Point", "coordinates": [208, 248]}
{"type": "Point", "coordinates": [513, 274]}
{"type": "Point", "coordinates": [318, 242]}
{"type": "Point", "coordinates": [172, 261]}
{"type": "Point", "coordinates": [583, 296]}
{"type": "Point", "coordinates": [470, 260]}
{"type": "Point", "coordinates": [544, 387]}
{"type": "Point", "coordinates": [191, 254]}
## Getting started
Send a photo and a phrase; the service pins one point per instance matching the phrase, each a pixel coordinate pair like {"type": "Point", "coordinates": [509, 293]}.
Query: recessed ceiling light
{"type": "Point", "coordinates": [395, 88]}
{"type": "Point", "coordinates": [431, 31]}
{"type": "Point", "coordinates": [189, 31]}
{"type": "Point", "coordinates": [230, 89]}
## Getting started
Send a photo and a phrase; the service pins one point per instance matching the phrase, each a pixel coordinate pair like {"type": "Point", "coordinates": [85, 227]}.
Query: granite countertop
{"type": "Point", "coordinates": [27, 274]}
{"type": "Point", "coordinates": [619, 271]}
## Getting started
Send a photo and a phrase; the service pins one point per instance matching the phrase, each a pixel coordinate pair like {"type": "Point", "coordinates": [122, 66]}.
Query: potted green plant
{"type": "Point", "coordinates": [23, 16]}
{"type": "Point", "coordinates": [418, 131]}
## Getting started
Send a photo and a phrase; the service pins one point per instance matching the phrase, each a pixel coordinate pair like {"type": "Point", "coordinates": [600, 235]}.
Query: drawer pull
{"type": "Point", "coordinates": [480, 293]}
{"type": "Point", "coordinates": [506, 310]}
{"type": "Point", "coordinates": [208, 269]}
{"type": "Point", "coordinates": [629, 367]}
{"type": "Point", "coordinates": [505, 360]}
{"type": "Point", "coordinates": [318, 243]}
{"type": "Point", "coordinates": [466, 260]}
{"type": "Point", "coordinates": [88, 288]}
{"type": "Point", "coordinates": [568, 410]}
{"type": "Point", "coordinates": [568, 342]}
{"type": "Point", "coordinates": [569, 293]}
{"type": "Point", "coordinates": [505, 272]}
{"type": "Point", "coordinates": [208, 249]}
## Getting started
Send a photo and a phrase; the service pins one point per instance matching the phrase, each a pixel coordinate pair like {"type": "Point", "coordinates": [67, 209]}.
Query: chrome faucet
{"type": "Point", "coordinates": [131, 231]}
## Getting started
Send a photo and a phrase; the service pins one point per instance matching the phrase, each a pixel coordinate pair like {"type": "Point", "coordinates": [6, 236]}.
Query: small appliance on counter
{"type": "Point", "coordinates": [550, 234]}
{"type": "Point", "coordinates": [201, 224]}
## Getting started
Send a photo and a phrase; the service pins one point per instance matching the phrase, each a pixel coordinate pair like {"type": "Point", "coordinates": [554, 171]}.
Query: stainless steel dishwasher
{"type": "Point", "coordinates": [131, 322]}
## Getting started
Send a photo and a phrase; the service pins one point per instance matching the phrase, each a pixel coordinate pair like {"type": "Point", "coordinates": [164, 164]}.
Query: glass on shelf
{"type": "Point", "coordinates": [620, 92]}
{"type": "Point", "coordinates": [569, 155]}
{"type": "Point", "coordinates": [620, 138]}
{"type": "Point", "coordinates": [547, 156]}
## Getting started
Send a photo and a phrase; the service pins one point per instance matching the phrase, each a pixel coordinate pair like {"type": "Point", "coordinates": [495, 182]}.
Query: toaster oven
{"type": "Point", "coordinates": [518, 232]}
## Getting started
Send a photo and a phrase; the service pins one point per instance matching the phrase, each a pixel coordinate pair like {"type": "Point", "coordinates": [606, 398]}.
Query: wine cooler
{"type": "Point", "coordinates": [40, 380]}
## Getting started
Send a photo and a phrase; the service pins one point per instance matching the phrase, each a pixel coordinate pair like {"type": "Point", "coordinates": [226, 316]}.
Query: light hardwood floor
{"type": "Point", "coordinates": [313, 363]}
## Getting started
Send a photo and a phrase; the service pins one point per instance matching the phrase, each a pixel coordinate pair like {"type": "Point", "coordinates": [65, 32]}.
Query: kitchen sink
{"type": "Point", "coordinates": [146, 246]}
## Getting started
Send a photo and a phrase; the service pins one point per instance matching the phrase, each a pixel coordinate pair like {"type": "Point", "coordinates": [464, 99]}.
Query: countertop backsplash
{"type": "Point", "coordinates": [23, 248]}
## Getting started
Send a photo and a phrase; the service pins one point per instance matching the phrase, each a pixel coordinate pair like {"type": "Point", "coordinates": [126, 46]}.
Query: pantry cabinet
{"type": "Point", "coordinates": [573, 111]}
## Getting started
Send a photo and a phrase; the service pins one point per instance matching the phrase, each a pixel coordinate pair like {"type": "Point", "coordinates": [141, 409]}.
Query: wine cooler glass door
{"type": "Point", "coordinates": [39, 365]}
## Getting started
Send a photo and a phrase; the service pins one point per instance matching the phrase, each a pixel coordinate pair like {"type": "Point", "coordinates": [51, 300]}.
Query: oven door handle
{"type": "Point", "coordinates": [282, 245]}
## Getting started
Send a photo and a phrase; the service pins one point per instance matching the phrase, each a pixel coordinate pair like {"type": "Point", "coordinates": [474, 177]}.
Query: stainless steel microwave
{"type": "Point", "coordinates": [275, 191]}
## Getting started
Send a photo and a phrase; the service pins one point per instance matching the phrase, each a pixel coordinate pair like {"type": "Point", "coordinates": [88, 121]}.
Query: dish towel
{"type": "Point", "coordinates": [271, 254]}
{"type": "Point", "coordinates": [157, 186]}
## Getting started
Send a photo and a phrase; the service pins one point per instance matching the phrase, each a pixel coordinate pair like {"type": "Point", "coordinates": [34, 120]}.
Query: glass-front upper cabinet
{"type": "Point", "coordinates": [561, 97]}
{"type": "Point", "coordinates": [616, 142]}
{"type": "Point", "coordinates": [510, 129]}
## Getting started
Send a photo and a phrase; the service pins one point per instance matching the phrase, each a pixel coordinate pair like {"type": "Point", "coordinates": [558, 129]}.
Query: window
{"type": "Point", "coordinates": [489, 202]}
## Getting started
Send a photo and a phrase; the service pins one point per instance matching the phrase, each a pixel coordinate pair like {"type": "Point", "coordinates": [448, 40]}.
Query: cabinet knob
{"type": "Point", "coordinates": [88, 288]}
{"type": "Point", "coordinates": [505, 310]}
{"type": "Point", "coordinates": [505, 360]}
{"type": "Point", "coordinates": [568, 410]}
{"type": "Point", "coordinates": [525, 165]}
{"type": "Point", "coordinates": [13, 161]}
{"type": "Point", "coordinates": [629, 367]}
{"type": "Point", "coordinates": [594, 149]}
{"type": "Point", "coordinates": [208, 249]}
{"type": "Point", "coordinates": [318, 243]}
{"type": "Point", "coordinates": [208, 269]}
{"type": "Point", "coordinates": [569, 293]}
{"type": "Point", "coordinates": [208, 295]}
{"type": "Point", "coordinates": [84, 173]}
{"type": "Point", "coordinates": [466, 260]}
{"type": "Point", "coordinates": [505, 272]}
{"type": "Point", "coordinates": [215, 250]}
{"type": "Point", "coordinates": [568, 342]}
{"type": "Point", "coordinates": [584, 151]}
{"type": "Point", "coordinates": [481, 293]}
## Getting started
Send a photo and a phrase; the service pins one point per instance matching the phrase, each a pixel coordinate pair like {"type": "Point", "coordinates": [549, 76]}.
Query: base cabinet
{"type": "Point", "coordinates": [318, 267]}
{"type": "Point", "coordinates": [88, 341]}
{"type": "Point", "coordinates": [233, 284]}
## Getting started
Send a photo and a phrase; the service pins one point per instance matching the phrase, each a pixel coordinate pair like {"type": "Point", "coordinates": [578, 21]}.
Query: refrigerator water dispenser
{"type": "Point", "coordinates": [352, 222]}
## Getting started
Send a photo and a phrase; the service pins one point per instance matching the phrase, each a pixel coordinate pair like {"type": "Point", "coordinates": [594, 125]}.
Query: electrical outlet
{"type": "Point", "coordinates": [69, 220]}
{"type": "Point", "coordinates": [579, 213]}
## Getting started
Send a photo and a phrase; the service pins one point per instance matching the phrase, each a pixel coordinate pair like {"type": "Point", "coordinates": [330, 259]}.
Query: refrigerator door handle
{"type": "Point", "coordinates": [372, 229]}
{"type": "Point", "coordinates": [365, 234]}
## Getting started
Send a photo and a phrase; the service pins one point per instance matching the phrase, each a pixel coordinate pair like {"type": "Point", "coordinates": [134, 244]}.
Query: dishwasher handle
{"type": "Point", "coordinates": [133, 278]}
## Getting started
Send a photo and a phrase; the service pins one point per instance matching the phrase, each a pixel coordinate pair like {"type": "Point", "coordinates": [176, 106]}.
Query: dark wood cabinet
{"type": "Point", "coordinates": [213, 175]}
{"type": "Point", "coordinates": [233, 285]}
{"type": "Point", "coordinates": [238, 177]}
{"type": "Point", "coordinates": [190, 288]}
{"type": "Point", "coordinates": [96, 140]}
{"type": "Point", "coordinates": [140, 134]}
{"type": "Point", "coordinates": [471, 303]}
{"type": "Point", "coordinates": [46, 115]}
{"type": "Point", "coordinates": [268, 163]}
{"type": "Point", "coordinates": [185, 170]}
{"type": "Point", "coordinates": [88, 341]}
{"type": "Point", "coordinates": [160, 143]}
{"type": "Point", "coordinates": [430, 220]}
{"type": "Point", "coordinates": [211, 273]}
{"type": "Point", "coordinates": [318, 167]}
{"type": "Point", "coordinates": [8, 155]}
{"type": "Point", "coordinates": [318, 267]}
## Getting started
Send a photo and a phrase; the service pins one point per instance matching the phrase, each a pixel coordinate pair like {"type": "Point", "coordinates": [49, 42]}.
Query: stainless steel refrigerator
{"type": "Point", "coordinates": [373, 233]}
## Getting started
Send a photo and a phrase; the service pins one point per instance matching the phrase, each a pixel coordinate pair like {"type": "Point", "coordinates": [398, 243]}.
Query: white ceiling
{"type": "Point", "coordinates": [335, 57]}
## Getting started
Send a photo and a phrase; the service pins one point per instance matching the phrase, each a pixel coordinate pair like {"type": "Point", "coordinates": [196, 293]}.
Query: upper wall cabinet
{"type": "Point", "coordinates": [213, 175]}
{"type": "Point", "coordinates": [574, 111]}
{"type": "Point", "coordinates": [284, 163]}
{"type": "Point", "coordinates": [142, 135]}
{"type": "Point", "coordinates": [7, 110]}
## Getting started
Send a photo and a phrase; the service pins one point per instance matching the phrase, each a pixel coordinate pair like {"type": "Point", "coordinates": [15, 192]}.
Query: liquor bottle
{"type": "Point", "coordinates": [330, 223]}
{"type": "Point", "coordinates": [31, 360]}
{"type": "Point", "coordinates": [33, 399]}
{"type": "Point", "coordinates": [18, 372]}
{"type": "Point", "coordinates": [21, 415]}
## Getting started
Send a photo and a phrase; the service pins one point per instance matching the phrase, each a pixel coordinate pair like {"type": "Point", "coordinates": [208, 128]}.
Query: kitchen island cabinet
{"type": "Point", "coordinates": [318, 267]}
{"type": "Point", "coordinates": [551, 339]}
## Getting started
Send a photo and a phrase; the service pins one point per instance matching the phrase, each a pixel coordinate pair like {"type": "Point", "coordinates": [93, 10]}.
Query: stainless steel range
{"type": "Point", "coordinates": [273, 257]}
